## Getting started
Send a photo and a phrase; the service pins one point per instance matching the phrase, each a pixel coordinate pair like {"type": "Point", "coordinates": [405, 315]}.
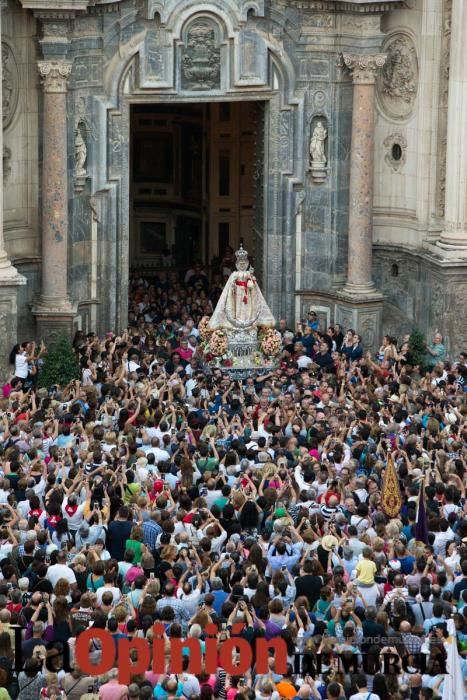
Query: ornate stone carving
{"type": "Point", "coordinates": [364, 67]}
{"type": "Point", "coordinates": [6, 162]}
{"type": "Point", "coordinates": [319, 99]}
{"type": "Point", "coordinates": [396, 147]}
{"type": "Point", "coordinates": [361, 22]}
{"type": "Point", "coordinates": [54, 75]}
{"type": "Point", "coordinates": [10, 87]}
{"type": "Point", "coordinates": [81, 152]}
{"type": "Point", "coordinates": [319, 21]}
{"type": "Point", "coordinates": [201, 69]}
{"type": "Point", "coordinates": [443, 108]}
{"type": "Point", "coordinates": [398, 81]}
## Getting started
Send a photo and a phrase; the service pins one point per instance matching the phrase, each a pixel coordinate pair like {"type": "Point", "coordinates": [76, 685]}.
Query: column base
{"type": "Point", "coordinates": [452, 249]}
{"type": "Point", "coordinates": [446, 253]}
{"type": "Point", "coordinates": [360, 291]}
{"type": "Point", "coordinates": [53, 319]}
{"type": "Point", "coordinates": [363, 314]}
{"type": "Point", "coordinates": [362, 311]}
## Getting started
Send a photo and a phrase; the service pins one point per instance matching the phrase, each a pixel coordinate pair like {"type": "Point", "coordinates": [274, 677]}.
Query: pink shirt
{"type": "Point", "coordinates": [113, 690]}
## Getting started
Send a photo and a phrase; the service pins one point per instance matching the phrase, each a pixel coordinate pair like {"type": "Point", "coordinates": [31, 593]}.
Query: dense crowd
{"type": "Point", "coordinates": [152, 491]}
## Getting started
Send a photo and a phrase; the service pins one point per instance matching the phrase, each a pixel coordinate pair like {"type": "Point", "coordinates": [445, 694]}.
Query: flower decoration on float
{"type": "Point", "coordinates": [271, 342]}
{"type": "Point", "coordinates": [204, 331]}
{"type": "Point", "coordinates": [218, 343]}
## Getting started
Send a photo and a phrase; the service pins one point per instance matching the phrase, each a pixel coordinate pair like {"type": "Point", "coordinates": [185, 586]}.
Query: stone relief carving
{"type": "Point", "coordinates": [443, 108]}
{"type": "Point", "coordinates": [458, 332]}
{"type": "Point", "coordinates": [368, 330]}
{"type": "Point", "coordinates": [361, 22]}
{"type": "Point", "coordinates": [319, 99]}
{"type": "Point", "coordinates": [6, 162]}
{"type": "Point", "coordinates": [201, 68]}
{"type": "Point", "coordinates": [319, 21]}
{"type": "Point", "coordinates": [396, 147]}
{"type": "Point", "coordinates": [364, 67]}
{"type": "Point", "coordinates": [54, 75]}
{"type": "Point", "coordinates": [398, 81]}
{"type": "Point", "coordinates": [10, 87]}
{"type": "Point", "coordinates": [81, 152]}
{"type": "Point", "coordinates": [438, 297]}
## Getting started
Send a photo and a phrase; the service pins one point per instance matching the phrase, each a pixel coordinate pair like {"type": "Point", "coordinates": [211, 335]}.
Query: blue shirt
{"type": "Point", "coordinates": [219, 599]}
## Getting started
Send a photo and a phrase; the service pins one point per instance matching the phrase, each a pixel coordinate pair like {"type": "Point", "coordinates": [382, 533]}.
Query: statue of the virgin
{"type": "Point", "coordinates": [241, 305]}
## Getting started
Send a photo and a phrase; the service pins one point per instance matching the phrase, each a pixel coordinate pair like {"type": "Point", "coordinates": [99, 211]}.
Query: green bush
{"type": "Point", "coordinates": [418, 349]}
{"type": "Point", "coordinates": [60, 366]}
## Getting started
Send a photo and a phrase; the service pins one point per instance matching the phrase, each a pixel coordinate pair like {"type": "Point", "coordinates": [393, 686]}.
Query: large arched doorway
{"type": "Point", "coordinates": [245, 116]}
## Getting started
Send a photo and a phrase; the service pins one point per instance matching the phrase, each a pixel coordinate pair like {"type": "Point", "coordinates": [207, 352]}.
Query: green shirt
{"type": "Point", "coordinates": [137, 549]}
{"type": "Point", "coordinates": [129, 491]}
{"type": "Point", "coordinates": [207, 464]}
{"type": "Point", "coordinates": [221, 502]}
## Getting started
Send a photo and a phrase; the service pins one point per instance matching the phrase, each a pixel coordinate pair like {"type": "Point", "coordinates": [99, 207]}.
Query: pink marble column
{"type": "Point", "coordinates": [54, 292]}
{"type": "Point", "coordinates": [359, 273]}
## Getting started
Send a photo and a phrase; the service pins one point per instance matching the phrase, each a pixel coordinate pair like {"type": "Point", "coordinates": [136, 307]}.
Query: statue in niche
{"type": "Point", "coordinates": [318, 138]}
{"type": "Point", "coordinates": [80, 154]}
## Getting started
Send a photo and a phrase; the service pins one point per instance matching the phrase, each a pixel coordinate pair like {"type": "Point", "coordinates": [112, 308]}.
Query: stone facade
{"type": "Point", "coordinates": [369, 238]}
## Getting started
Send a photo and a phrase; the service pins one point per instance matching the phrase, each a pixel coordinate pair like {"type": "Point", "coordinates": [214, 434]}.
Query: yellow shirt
{"type": "Point", "coordinates": [366, 570]}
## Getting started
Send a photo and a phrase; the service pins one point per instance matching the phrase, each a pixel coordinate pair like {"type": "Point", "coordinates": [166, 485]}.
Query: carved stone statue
{"type": "Point", "coordinates": [241, 304]}
{"type": "Point", "coordinates": [318, 137]}
{"type": "Point", "coordinates": [80, 154]}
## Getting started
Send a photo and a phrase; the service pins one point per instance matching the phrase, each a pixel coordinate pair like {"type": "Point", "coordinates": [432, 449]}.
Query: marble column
{"type": "Point", "coordinates": [10, 279]}
{"type": "Point", "coordinates": [360, 236]}
{"type": "Point", "coordinates": [454, 236]}
{"type": "Point", "coordinates": [53, 309]}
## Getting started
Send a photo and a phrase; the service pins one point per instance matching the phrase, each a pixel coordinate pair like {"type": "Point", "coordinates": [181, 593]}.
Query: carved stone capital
{"type": "Point", "coordinates": [54, 75]}
{"type": "Point", "coordinates": [364, 66]}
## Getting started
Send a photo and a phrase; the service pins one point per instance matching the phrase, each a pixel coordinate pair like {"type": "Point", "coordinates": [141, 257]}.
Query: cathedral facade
{"type": "Point", "coordinates": [329, 136]}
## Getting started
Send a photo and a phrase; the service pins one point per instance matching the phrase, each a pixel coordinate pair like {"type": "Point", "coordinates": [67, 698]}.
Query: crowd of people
{"type": "Point", "coordinates": [150, 490]}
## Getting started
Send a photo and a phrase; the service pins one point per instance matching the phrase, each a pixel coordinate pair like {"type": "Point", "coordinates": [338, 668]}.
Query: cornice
{"type": "Point", "coordinates": [56, 7]}
{"type": "Point", "coordinates": [349, 6]}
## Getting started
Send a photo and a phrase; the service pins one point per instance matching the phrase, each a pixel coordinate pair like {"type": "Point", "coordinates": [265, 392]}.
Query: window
{"type": "Point", "coordinates": [396, 152]}
{"type": "Point", "coordinates": [223, 236]}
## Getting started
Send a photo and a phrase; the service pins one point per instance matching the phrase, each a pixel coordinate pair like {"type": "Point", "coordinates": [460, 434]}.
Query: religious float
{"type": "Point", "coordinates": [240, 336]}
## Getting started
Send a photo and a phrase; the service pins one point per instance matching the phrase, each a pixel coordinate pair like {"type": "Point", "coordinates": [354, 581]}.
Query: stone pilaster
{"type": "Point", "coordinates": [454, 236]}
{"type": "Point", "coordinates": [53, 309]}
{"type": "Point", "coordinates": [360, 240]}
{"type": "Point", "coordinates": [10, 279]}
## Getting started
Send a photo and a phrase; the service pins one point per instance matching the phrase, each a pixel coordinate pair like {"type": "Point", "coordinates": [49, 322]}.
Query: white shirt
{"type": "Point", "coordinates": [21, 366]}
{"type": "Point", "coordinates": [159, 455]}
{"type": "Point", "coordinates": [190, 600]}
{"type": "Point", "coordinates": [365, 696]}
{"type": "Point", "coordinates": [58, 571]}
{"type": "Point", "coordinates": [76, 519]}
{"type": "Point", "coordinates": [304, 361]}
{"type": "Point", "coordinates": [116, 593]}
{"type": "Point", "coordinates": [441, 539]}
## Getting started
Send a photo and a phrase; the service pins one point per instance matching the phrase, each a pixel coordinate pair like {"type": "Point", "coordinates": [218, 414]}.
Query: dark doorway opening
{"type": "Point", "coordinates": [192, 183]}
